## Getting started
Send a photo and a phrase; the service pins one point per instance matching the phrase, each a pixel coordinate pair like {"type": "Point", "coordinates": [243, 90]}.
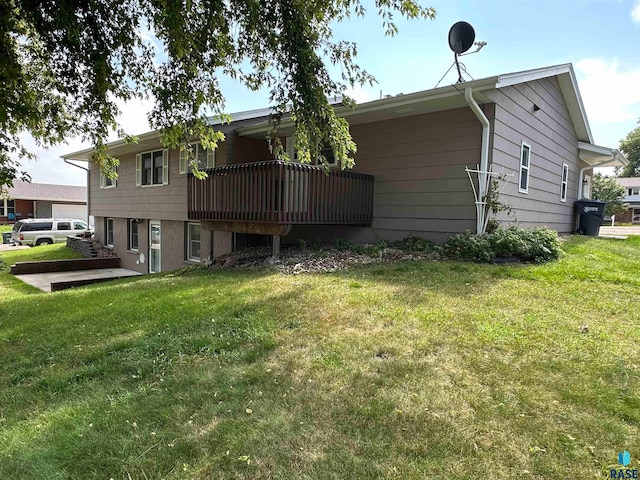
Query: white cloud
{"type": "Point", "coordinates": [635, 12]}
{"type": "Point", "coordinates": [360, 95]}
{"type": "Point", "coordinates": [609, 92]}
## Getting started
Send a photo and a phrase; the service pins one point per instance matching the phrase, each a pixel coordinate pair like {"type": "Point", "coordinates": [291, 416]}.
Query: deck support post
{"type": "Point", "coordinates": [276, 247]}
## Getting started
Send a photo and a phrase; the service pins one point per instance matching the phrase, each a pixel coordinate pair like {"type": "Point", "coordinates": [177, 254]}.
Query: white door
{"type": "Point", "coordinates": [154, 246]}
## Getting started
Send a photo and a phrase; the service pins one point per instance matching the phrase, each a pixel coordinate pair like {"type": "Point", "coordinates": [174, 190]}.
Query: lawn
{"type": "Point", "coordinates": [402, 371]}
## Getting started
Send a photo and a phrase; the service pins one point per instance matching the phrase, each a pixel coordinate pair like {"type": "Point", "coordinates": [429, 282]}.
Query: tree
{"type": "Point", "coordinates": [606, 189]}
{"type": "Point", "coordinates": [631, 148]}
{"type": "Point", "coordinates": [64, 64]}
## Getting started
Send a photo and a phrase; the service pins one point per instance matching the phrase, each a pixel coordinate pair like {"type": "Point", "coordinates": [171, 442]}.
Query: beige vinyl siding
{"type": "Point", "coordinates": [162, 202]}
{"type": "Point", "coordinates": [553, 141]}
{"type": "Point", "coordinates": [418, 163]}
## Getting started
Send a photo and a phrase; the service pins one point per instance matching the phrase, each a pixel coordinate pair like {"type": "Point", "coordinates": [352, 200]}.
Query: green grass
{"type": "Point", "coordinates": [5, 228]}
{"type": "Point", "coordinates": [409, 371]}
{"type": "Point", "coordinates": [57, 251]}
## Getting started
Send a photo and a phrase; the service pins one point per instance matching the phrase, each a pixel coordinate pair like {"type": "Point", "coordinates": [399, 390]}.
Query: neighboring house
{"type": "Point", "coordinates": [631, 187]}
{"type": "Point", "coordinates": [409, 176]}
{"type": "Point", "coordinates": [41, 200]}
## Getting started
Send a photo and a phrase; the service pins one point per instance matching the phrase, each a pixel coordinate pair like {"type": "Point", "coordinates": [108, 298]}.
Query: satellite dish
{"type": "Point", "coordinates": [461, 37]}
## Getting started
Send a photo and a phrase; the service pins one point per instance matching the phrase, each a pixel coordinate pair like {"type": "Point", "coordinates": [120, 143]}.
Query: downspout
{"type": "Point", "coordinates": [483, 183]}
{"type": "Point", "coordinates": [88, 195]}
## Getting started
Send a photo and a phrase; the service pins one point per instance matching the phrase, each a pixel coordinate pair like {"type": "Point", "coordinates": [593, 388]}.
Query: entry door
{"type": "Point", "coordinates": [154, 246]}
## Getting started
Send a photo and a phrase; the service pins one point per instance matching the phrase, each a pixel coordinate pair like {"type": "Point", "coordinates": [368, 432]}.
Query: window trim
{"type": "Point", "coordinates": [184, 163]}
{"type": "Point", "coordinates": [523, 169]}
{"type": "Point", "coordinates": [188, 242]}
{"type": "Point", "coordinates": [106, 232]}
{"type": "Point", "coordinates": [564, 182]}
{"type": "Point", "coordinates": [165, 168]}
{"type": "Point", "coordinates": [131, 223]}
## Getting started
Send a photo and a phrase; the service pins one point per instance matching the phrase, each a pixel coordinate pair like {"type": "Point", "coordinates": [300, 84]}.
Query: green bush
{"type": "Point", "coordinates": [537, 245]}
{"type": "Point", "coordinates": [413, 243]}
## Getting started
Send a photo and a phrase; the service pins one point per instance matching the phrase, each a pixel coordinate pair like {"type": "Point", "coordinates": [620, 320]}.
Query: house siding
{"type": "Point", "coordinates": [421, 186]}
{"type": "Point", "coordinates": [553, 141]}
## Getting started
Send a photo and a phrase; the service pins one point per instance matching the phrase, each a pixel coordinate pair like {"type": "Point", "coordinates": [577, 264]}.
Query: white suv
{"type": "Point", "coordinates": [45, 231]}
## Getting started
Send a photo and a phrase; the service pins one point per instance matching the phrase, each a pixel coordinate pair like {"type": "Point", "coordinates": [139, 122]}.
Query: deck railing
{"type": "Point", "coordinates": [282, 193]}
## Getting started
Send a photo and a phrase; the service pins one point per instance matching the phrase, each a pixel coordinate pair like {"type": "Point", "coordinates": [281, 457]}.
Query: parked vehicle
{"type": "Point", "coordinates": [46, 231]}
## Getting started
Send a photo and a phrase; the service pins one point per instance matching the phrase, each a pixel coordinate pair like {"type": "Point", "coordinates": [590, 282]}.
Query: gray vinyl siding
{"type": "Point", "coordinates": [550, 134]}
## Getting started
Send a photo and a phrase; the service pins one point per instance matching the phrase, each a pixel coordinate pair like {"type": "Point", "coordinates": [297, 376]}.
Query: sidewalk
{"type": "Point", "coordinates": [619, 232]}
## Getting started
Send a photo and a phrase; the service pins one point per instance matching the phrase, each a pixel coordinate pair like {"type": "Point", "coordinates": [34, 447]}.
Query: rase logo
{"type": "Point", "coordinates": [624, 459]}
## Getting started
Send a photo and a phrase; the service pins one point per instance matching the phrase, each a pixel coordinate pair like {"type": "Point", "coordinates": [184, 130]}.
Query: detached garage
{"type": "Point", "coordinates": [42, 200]}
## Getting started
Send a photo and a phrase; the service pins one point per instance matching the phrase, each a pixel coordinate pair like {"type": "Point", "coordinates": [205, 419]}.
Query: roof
{"type": "Point", "coordinates": [256, 122]}
{"type": "Point", "coordinates": [45, 191]}
{"type": "Point", "coordinates": [628, 181]}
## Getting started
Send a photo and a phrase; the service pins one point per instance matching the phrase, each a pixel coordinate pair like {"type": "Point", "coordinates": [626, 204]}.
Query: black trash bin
{"type": "Point", "coordinates": [6, 237]}
{"type": "Point", "coordinates": [591, 216]}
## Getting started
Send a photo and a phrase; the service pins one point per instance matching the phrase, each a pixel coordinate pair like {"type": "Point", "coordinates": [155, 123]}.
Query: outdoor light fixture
{"type": "Point", "coordinates": [535, 107]}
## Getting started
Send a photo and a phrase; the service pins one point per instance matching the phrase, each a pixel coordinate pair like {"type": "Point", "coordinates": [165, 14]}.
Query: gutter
{"type": "Point", "coordinates": [483, 173]}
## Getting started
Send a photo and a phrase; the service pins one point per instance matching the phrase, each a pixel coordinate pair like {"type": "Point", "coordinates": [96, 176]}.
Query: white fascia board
{"type": "Point", "coordinates": [515, 78]}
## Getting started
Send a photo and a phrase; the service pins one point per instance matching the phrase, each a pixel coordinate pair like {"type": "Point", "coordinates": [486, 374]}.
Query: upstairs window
{"type": "Point", "coordinates": [106, 181]}
{"type": "Point", "coordinates": [564, 182]}
{"type": "Point", "coordinates": [203, 157]}
{"type": "Point", "coordinates": [634, 191]}
{"type": "Point", "coordinates": [525, 160]}
{"type": "Point", "coordinates": [152, 168]}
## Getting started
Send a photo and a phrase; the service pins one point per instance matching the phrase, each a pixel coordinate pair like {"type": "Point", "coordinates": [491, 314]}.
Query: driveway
{"type": "Point", "coordinates": [619, 232]}
{"type": "Point", "coordinates": [7, 246]}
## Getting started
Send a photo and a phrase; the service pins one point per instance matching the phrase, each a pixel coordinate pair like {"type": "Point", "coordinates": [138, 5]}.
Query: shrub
{"type": "Point", "coordinates": [413, 243]}
{"type": "Point", "coordinates": [537, 245]}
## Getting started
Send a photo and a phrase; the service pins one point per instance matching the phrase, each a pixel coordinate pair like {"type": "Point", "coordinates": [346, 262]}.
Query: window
{"type": "Point", "coordinates": [106, 181]}
{"type": "Point", "coordinates": [152, 168]}
{"type": "Point", "coordinates": [133, 234]}
{"type": "Point", "coordinates": [79, 226]}
{"type": "Point", "coordinates": [564, 182]}
{"type": "Point", "coordinates": [193, 242]}
{"type": "Point", "coordinates": [108, 232]}
{"type": "Point", "coordinates": [525, 158]}
{"type": "Point", "coordinates": [64, 225]}
{"type": "Point", "coordinates": [203, 157]}
{"type": "Point", "coordinates": [634, 191]}
{"type": "Point", "coordinates": [326, 151]}
{"type": "Point", "coordinates": [37, 226]}
{"type": "Point", "coordinates": [10, 207]}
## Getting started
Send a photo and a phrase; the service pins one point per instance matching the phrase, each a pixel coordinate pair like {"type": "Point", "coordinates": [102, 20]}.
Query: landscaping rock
{"type": "Point", "coordinates": [230, 262]}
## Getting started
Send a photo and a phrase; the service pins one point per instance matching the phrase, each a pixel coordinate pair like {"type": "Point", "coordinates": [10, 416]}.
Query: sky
{"type": "Point", "coordinates": [601, 38]}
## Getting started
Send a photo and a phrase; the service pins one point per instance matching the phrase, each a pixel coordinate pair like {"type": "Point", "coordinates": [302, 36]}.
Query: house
{"type": "Point", "coordinates": [631, 187]}
{"type": "Point", "coordinates": [41, 200]}
{"type": "Point", "coordinates": [420, 159]}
